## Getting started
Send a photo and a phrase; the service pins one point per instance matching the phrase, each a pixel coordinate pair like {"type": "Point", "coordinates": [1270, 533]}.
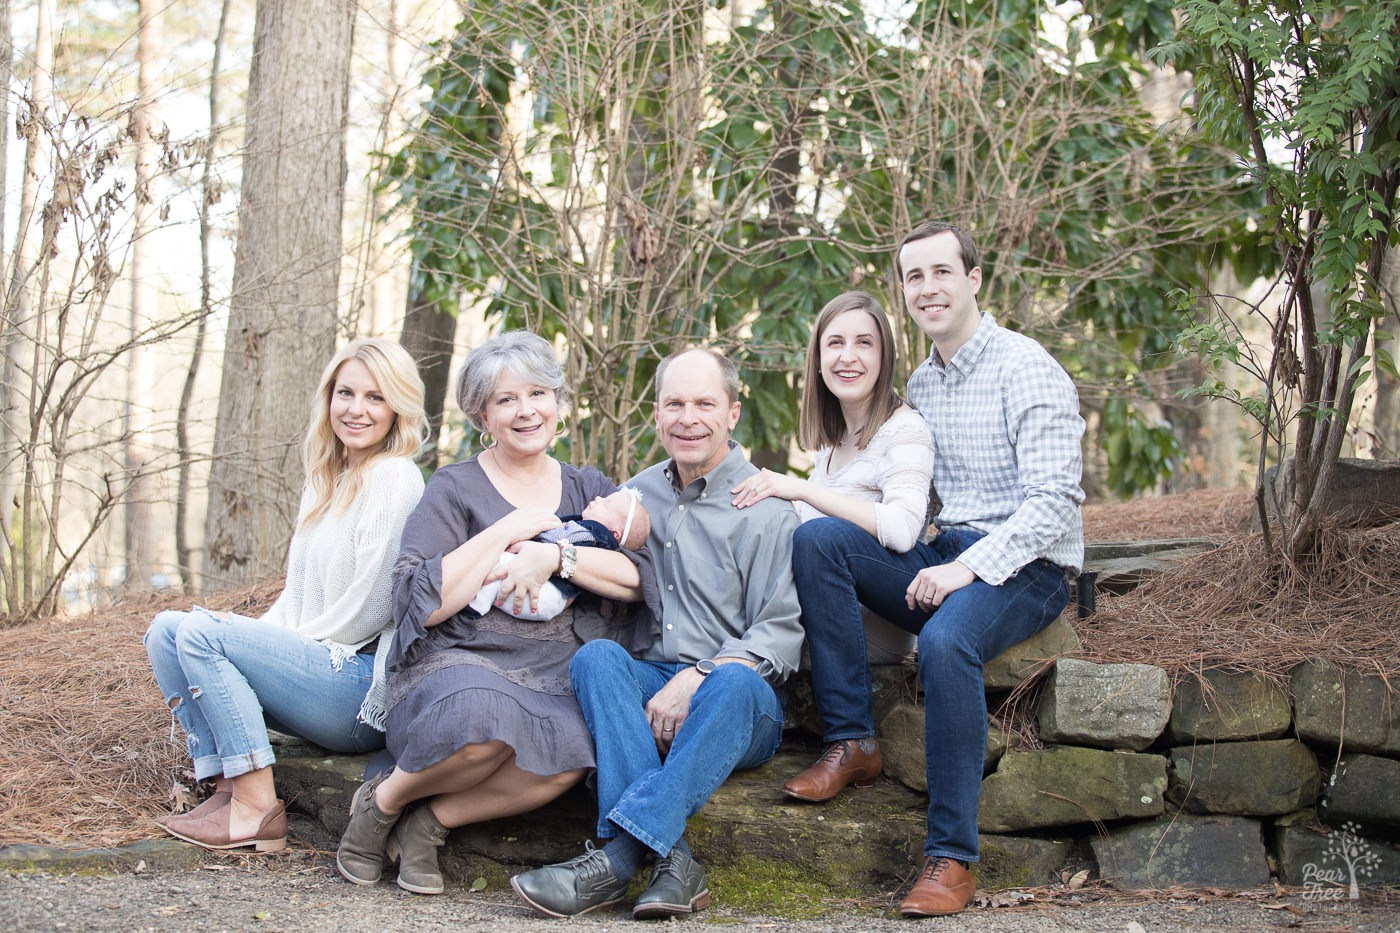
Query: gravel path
{"type": "Point", "coordinates": [302, 892]}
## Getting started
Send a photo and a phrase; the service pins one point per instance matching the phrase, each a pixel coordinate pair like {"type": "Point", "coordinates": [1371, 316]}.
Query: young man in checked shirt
{"type": "Point", "coordinates": [1006, 432]}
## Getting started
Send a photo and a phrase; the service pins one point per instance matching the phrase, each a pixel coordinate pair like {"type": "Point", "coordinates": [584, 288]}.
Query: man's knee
{"type": "Point", "coordinates": [596, 656]}
{"type": "Point", "coordinates": [738, 684]}
{"type": "Point", "coordinates": [945, 637]}
{"type": "Point", "coordinates": [971, 628]}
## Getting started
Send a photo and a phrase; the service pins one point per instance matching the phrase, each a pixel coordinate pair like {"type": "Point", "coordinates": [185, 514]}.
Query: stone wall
{"type": "Point", "coordinates": [1223, 780]}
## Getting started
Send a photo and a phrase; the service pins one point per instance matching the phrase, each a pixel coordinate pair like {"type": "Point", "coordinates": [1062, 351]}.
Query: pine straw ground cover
{"type": "Point", "coordinates": [88, 756]}
{"type": "Point", "coordinates": [87, 753]}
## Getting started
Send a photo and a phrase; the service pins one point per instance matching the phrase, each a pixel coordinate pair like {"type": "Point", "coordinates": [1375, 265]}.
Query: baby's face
{"type": "Point", "coordinates": [609, 511]}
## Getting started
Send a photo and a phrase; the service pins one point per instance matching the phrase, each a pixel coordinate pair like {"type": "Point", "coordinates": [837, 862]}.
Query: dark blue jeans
{"type": "Point", "coordinates": [838, 566]}
{"type": "Point", "coordinates": [735, 721]}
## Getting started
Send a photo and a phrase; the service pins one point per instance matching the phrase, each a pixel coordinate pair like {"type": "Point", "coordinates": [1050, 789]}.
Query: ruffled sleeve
{"type": "Point", "coordinates": [437, 526]}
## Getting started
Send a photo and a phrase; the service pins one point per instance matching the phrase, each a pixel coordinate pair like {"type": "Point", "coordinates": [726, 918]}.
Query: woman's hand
{"type": "Point", "coordinates": [535, 562]}
{"type": "Point", "coordinates": [525, 523]}
{"type": "Point", "coordinates": [477, 558]}
{"type": "Point", "coordinates": [766, 483]}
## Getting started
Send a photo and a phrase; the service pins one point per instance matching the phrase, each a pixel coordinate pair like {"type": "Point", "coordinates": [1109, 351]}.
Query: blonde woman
{"type": "Point", "coordinates": [313, 665]}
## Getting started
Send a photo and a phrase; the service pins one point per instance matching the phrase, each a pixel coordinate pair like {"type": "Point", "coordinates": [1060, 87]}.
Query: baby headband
{"type": "Point", "coordinates": [632, 501]}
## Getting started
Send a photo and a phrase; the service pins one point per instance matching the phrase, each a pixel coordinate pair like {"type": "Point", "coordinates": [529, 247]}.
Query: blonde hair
{"type": "Point", "coordinates": [333, 480]}
{"type": "Point", "coordinates": [821, 423]}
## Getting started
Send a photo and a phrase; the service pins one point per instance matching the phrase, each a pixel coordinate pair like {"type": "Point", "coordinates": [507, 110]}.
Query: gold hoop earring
{"type": "Point", "coordinates": [562, 429]}
{"type": "Point", "coordinates": [487, 441]}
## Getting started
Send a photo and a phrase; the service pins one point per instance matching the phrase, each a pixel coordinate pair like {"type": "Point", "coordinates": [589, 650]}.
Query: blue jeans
{"type": "Point", "coordinates": [227, 682]}
{"type": "Point", "coordinates": [838, 566]}
{"type": "Point", "coordinates": [735, 721]}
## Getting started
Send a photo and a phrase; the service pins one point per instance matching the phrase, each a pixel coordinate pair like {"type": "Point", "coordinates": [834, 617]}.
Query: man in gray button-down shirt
{"type": "Point", "coordinates": [673, 723]}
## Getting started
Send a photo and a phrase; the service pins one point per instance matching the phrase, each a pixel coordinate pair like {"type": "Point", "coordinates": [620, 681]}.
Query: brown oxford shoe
{"type": "Point", "coordinates": [943, 887]}
{"type": "Point", "coordinates": [841, 763]}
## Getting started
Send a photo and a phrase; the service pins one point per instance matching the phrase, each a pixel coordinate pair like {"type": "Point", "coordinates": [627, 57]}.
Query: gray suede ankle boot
{"type": "Point", "coordinates": [415, 841]}
{"type": "Point", "coordinates": [360, 857]}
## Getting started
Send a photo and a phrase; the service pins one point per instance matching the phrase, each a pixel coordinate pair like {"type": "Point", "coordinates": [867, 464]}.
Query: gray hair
{"type": "Point", "coordinates": [526, 354]}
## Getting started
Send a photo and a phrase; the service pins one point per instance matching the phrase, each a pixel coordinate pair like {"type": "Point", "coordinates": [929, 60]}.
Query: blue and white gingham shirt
{"type": "Point", "coordinates": [1006, 458]}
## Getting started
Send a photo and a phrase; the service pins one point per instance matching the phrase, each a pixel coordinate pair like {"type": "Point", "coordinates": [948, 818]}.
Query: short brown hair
{"type": "Point", "coordinates": [927, 228]}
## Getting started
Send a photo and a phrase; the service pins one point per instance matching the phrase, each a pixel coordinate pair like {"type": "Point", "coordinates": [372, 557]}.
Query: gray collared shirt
{"type": "Point", "coordinates": [725, 574]}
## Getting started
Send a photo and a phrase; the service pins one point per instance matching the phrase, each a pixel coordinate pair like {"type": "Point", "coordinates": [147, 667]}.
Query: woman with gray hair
{"type": "Point", "coordinates": [482, 720]}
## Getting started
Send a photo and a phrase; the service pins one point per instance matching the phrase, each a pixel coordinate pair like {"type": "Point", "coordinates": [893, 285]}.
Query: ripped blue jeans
{"type": "Point", "coordinates": [228, 682]}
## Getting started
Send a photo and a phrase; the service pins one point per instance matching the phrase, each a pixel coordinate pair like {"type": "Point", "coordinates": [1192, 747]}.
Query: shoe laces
{"type": "Point", "coordinates": [668, 865]}
{"type": "Point", "coordinates": [836, 752]}
{"type": "Point", "coordinates": [592, 864]}
{"type": "Point", "coordinates": [935, 867]}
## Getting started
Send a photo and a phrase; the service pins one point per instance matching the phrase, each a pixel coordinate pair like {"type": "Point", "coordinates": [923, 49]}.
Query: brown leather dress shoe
{"type": "Point", "coordinates": [841, 763]}
{"type": "Point", "coordinates": [943, 887]}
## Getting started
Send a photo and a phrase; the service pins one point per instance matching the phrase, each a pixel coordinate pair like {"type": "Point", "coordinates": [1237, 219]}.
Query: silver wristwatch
{"type": "Point", "coordinates": [568, 559]}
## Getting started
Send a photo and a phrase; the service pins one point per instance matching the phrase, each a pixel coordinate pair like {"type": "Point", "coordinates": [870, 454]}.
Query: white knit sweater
{"type": "Point", "coordinates": [339, 590]}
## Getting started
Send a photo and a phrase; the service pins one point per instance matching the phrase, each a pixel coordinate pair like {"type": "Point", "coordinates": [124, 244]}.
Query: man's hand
{"type": "Point", "coordinates": [932, 585]}
{"type": "Point", "coordinates": [668, 709]}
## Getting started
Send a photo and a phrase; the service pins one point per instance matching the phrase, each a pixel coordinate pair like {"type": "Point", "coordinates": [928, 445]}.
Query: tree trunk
{"type": "Point", "coordinates": [7, 63]}
{"type": "Point", "coordinates": [283, 309]}
{"type": "Point", "coordinates": [17, 328]}
{"type": "Point", "coordinates": [428, 335]}
{"type": "Point", "coordinates": [9, 334]}
{"type": "Point", "coordinates": [379, 265]}
{"type": "Point", "coordinates": [138, 537]}
{"type": "Point", "coordinates": [184, 553]}
{"type": "Point", "coordinates": [1386, 444]}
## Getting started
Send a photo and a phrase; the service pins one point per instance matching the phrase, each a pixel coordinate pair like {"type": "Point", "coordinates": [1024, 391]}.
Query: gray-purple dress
{"type": "Point", "coordinates": [467, 681]}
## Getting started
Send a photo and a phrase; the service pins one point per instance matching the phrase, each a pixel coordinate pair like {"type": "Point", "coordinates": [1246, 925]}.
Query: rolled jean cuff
{"type": "Point", "coordinates": [208, 766]}
{"type": "Point", "coordinates": [255, 760]}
